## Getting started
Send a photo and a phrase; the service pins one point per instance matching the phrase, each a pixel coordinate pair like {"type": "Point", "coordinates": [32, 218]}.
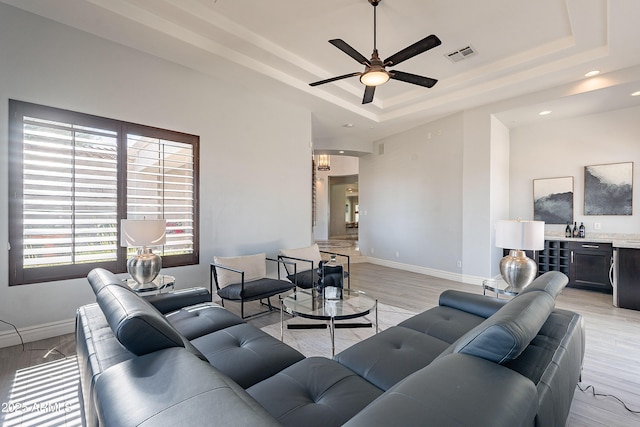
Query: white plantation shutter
{"type": "Point", "coordinates": [73, 177]}
{"type": "Point", "coordinates": [160, 184]}
{"type": "Point", "coordinates": [69, 194]}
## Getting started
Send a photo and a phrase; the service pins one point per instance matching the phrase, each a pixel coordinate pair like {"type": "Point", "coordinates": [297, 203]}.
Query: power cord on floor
{"type": "Point", "coordinates": [16, 329]}
{"type": "Point", "coordinates": [593, 392]}
{"type": "Point", "coordinates": [48, 350]}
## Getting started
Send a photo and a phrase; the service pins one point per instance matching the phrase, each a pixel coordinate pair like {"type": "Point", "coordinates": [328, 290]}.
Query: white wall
{"type": "Point", "coordinates": [411, 198]}
{"type": "Point", "coordinates": [476, 191]}
{"type": "Point", "coordinates": [251, 148]}
{"type": "Point", "coordinates": [488, 177]}
{"type": "Point", "coordinates": [563, 148]}
{"type": "Point", "coordinates": [500, 183]}
{"type": "Point", "coordinates": [491, 179]}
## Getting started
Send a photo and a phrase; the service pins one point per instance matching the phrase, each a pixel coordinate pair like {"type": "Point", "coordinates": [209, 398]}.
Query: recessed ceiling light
{"type": "Point", "coordinates": [341, 152]}
{"type": "Point", "coordinates": [592, 73]}
{"type": "Point", "coordinates": [348, 125]}
{"type": "Point", "coordinates": [636, 93]}
{"type": "Point", "coordinates": [545, 112]}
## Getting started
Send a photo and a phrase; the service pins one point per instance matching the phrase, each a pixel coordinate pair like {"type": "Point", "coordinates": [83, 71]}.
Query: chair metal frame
{"type": "Point", "coordinates": [288, 258]}
{"type": "Point", "coordinates": [213, 278]}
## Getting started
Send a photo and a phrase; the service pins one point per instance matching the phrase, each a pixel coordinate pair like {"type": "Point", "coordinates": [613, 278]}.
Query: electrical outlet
{"type": "Point", "coordinates": [596, 226]}
{"type": "Point", "coordinates": [459, 264]}
{"type": "Point", "coordinates": [371, 250]}
{"type": "Point", "coordinates": [397, 254]}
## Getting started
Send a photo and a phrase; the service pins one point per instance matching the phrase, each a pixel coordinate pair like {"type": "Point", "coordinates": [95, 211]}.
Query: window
{"type": "Point", "coordinates": [73, 177]}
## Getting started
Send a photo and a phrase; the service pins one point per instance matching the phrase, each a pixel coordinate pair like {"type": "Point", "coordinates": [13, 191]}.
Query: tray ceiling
{"type": "Point", "coordinates": [277, 47]}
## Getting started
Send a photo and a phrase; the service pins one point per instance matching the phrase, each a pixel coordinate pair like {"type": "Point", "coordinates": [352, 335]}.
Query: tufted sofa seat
{"type": "Point", "coordinates": [201, 365]}
{"type": "Point", "coordinates": [123, 327]}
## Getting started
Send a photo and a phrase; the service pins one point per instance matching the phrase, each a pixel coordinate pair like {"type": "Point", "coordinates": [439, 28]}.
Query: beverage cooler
{"type": "Point", "coordinates": [626, 275]}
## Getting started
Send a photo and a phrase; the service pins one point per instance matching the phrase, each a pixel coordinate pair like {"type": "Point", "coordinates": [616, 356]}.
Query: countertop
{"type": "Point", "coordinates": [629, 241]}
{"type": "Point", "coordinates": [627, 244]}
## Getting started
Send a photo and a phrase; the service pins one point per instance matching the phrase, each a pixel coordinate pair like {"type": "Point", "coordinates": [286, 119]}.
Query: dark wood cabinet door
{"type": "Point", "coordinates": [590, 266]}
{"type": "Point", "coordinates": [629, 278]}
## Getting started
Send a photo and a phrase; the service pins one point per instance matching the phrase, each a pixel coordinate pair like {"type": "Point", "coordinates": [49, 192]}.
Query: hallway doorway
{"type": "Point", "coordinates": [343, 207]}
{"type": "Point", "coordinates": [335, 203]}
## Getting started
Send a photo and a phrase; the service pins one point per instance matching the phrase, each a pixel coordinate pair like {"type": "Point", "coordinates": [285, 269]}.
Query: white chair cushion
{"type": "Point", "coordinates": [311, 253]}
{"type": "Point", "coordinates": [254, 267]}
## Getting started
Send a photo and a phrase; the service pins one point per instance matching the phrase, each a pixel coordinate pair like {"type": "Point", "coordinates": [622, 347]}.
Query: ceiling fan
{"type": "Point", "coordinates": [375, 72]}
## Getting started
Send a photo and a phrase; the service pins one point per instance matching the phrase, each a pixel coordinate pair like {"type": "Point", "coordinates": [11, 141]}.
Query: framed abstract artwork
{"type": "Point", "coordinates": [608, 189]}
{"type": "Point", "coordinates": [553, 200]}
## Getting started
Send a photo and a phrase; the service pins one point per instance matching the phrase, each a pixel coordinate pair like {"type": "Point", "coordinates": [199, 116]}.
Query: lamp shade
{"type": "Point", "coordinates": [521, 235]}
{"type": "Point", "coordinates": [143, 232]}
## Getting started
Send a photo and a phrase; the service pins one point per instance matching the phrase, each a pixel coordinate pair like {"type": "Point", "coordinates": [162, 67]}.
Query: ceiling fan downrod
{"type": "Point", "coordinates": [375, 3]}
{"type": "Point", "coordinates": [375, 73]}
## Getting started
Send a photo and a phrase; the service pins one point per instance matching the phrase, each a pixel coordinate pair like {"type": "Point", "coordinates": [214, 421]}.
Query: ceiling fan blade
{"type": "Point", "coordinates": [417, 48]}
{"type": "Point", "coordinates": [368, 94]}
{"type": "Point", "coordinates": [412, 78]}
{"type": "Point", "coordinates": [343, 46]}
{"type": "Point", "coordinates": [333, 79]}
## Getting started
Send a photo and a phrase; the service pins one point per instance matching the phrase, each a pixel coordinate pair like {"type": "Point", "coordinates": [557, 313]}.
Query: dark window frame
{"type": "Point", "coordinates": [17, 111]}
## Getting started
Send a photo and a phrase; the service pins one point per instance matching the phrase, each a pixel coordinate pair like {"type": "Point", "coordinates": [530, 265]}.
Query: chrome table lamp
{"type": "Point", "coordinates": [517, 269]}
{"type": "Point", "coordinates": [144, 266]}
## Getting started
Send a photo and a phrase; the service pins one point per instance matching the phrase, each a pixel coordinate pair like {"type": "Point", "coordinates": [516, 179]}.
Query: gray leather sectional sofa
{"type": "Point", "coordinates": [470, 361]}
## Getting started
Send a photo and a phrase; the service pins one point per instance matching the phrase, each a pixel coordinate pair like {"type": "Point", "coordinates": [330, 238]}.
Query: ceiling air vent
{"type": "Point", "coordinates": [460, 54]}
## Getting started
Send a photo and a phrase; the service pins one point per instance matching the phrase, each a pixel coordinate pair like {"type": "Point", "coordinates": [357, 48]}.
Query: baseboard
{"type": "Point", "coordinates": [37, 332]}
{"type": "Point", "coordinates": [471, 280]}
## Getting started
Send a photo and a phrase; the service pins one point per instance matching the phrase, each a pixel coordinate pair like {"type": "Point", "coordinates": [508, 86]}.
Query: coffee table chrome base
{"type": "Point", "coordinates": [316, 311]}
{"type": "Point", "coordinates": [325, 326]}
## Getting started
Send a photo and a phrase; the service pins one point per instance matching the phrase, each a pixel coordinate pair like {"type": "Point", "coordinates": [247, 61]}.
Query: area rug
{"type": "Point", "coordinates": [317, 342]}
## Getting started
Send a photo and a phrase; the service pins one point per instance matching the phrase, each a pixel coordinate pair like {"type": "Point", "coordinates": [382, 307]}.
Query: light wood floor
{"type": "Point", "coordinates": [612, 360]}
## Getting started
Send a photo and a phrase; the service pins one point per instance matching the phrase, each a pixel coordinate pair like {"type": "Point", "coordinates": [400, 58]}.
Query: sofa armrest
{"type": "Point", "coordinates": [458, 390]}
{"type": "Point", "coordinates": [479, 305]}
{"type": "Point", "coordinates": [167, 302]}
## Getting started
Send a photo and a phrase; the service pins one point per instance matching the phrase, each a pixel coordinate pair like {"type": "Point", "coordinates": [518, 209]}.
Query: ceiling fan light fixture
{"type": "Point", "coordinates": [374, 78]}
{"type": "Point", "coordinates": [375, 73]}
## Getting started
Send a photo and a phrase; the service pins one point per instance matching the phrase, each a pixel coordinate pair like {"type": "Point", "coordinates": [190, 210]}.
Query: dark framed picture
{"type": "Point", "coordinates": [608, 189]}
{"type": "Point", "coordinates": [553, 200]}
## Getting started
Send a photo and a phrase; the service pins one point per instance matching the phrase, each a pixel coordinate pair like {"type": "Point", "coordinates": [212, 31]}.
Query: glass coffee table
{"type": "Point", "coordinates": [353, 304]}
